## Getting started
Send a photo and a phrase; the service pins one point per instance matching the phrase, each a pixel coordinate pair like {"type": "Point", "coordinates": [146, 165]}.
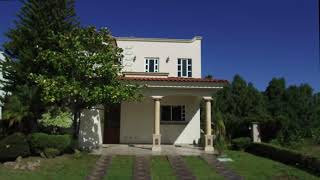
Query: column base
{"type": "Point", "coordinates": [208, 147]}
{"type": "Point", "coordinates": [156, 145]}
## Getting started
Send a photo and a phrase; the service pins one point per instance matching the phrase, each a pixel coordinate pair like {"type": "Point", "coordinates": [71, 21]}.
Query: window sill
{"type": "Point", "coordinates": [173, 122]}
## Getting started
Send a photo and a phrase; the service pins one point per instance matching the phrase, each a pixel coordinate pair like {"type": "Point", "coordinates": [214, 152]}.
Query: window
{"type": "Point", "coordinates": [173, 113]}
{"type": "Point", "coordinates": [184, 67]}
{"type": "Point", "coordinates": [152, 65]}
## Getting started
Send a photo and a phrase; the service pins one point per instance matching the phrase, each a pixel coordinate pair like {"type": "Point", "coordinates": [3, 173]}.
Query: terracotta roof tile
{"type": "Point", "coordinates": [174, 79]}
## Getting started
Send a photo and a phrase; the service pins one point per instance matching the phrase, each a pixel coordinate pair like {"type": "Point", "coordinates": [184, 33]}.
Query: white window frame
{"type": "Point", "coordinates": [155, 64]}
{"type": "Point", "coordinates": [187, 67]}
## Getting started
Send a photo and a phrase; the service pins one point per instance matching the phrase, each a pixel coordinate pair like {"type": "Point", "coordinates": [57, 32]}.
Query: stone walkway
{"type": "Point", "coordinates": [141, 169]}
{"type": "Point", "coordinates": [100, 168]}
{"type": "Point", "coordinates": [181, 170]}
{"type": "Point", "coordinates": [221, 168]}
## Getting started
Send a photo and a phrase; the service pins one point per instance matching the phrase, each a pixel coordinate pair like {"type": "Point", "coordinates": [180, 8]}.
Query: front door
{"type": "Point", "coordinates": [111, 133]}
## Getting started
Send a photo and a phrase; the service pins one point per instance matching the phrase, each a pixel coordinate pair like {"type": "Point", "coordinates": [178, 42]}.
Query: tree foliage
{"type": "Point", "coordinates": [240, 104]}
{"type": "Point", "coordinates": [285, 113]}
{"type": "Point", "coordinates": [57, 118]}
{"type": "Point", "coordinates": [83, 70]}
{"type": "Point", "coordinates": [22, 105]}
{"type": "Point", "coordinates": [36, 20]}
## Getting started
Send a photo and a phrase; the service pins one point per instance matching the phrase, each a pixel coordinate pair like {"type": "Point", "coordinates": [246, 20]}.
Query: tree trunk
{"type": "Point", "coordinates": [78, 123]}
{"type": "Point", "coordinates": [76, 120]}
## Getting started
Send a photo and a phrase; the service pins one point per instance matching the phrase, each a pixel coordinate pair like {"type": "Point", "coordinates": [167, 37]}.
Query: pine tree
{"type": "Point", "coordinates": [36, 21]}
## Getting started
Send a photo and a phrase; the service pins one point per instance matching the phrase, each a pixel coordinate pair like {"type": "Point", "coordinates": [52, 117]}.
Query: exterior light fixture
{"type": "Point", "coordinates": [167, 60]}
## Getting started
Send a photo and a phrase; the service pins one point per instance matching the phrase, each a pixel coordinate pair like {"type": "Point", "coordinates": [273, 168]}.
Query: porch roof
{"type": "Point", "coordinates": [176, 79]}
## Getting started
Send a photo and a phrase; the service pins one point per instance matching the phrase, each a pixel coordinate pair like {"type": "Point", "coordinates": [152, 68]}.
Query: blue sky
{"type": "Point", "coordinates": [257, 39]}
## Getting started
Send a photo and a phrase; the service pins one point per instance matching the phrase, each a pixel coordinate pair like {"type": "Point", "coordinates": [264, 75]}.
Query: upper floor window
{"type": "Point", "coordinates": [184, 67]}
{"type": "Point", "coordinates": [152, 65]}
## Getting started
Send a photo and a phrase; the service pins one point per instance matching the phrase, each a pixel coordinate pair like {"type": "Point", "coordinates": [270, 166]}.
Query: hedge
{"type": "Point", "coordinates": [13, 146]}
{"type": "Point", "coordinates": [40, 141]}
{"type": "Point", "coordinates": [241, 143]}
{"type": "Point", "coordinates": [287, 156]}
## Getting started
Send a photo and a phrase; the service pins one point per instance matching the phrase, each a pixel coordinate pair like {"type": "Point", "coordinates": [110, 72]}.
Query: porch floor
{"type": "Point", "coordinates": [146, 149]}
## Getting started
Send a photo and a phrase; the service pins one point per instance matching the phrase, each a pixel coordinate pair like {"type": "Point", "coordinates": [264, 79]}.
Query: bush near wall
{"type": "Point", "coordinates": [287, 156]}
{"type": "Point", "coordinates": [13, 146]}
{"type": "Point", "coordinates": [40, 141]}
{"type": "Point", "coordinates": [241, 143]}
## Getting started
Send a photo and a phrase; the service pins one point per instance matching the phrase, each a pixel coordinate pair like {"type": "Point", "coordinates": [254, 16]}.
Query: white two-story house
{"type": "Point", "coordinates": [169, 113]}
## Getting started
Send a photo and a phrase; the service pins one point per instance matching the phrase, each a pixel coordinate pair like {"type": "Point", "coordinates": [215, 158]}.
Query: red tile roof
{"type": "Point", "coordinates": [174, 79]}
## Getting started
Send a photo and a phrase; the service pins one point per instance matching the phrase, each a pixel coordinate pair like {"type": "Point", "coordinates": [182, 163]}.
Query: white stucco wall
{"type": "Point", "coordinates": [135, 50]}
{"type": "Point", "coordinates": [137, 121]}
{"type": "Point", "coordinates": [90, 133]}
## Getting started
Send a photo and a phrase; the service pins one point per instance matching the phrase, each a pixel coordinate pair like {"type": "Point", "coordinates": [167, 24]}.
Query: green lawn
{"type": "Point", "coordinates": [121, 168]}
{"type": "Point", "coordinates": [63, 167]}
{"type": "Point", "coordinates": [254, 167]}
{"type": "Point", "coordinates": [70, 167]}
{"type": "Point", "coordinates": [161, 169]}
{"type": "Point", "coordinates": [200, 168]}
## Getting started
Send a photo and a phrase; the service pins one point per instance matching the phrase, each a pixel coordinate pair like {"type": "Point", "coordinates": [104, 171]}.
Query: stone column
{"type": "Point", "coordinates": [256, 132]}
{"type": "Point", "coordinates": [156, 145]}
{"type": "Point", "coordinates": [208, 137]}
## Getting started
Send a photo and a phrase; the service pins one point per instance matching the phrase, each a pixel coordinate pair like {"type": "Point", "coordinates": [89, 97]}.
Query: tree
{"type": "Point", "coordinates": [275, 93]}
{"type": "Point", "coordinates": [209, 76]}
{"type": "Point", "coordinates": [240, 104]}
{"type": "Point", "coordinates": [316, 111]}
{"type": "Point", "coordinates": [84, 71]}
{"type": "Point", "coordinates": [299, 100]}
{"type": "Point", "coordinates": [36, 20]}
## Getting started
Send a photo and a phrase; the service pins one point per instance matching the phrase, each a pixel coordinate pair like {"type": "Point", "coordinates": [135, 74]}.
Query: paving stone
{"type": "Point", "coordinates": [181, 169]}
{"type": "Point", "coordinates": [101, 168]}
{"type": "Point", "coordinates": [141, 169]}
{"type": "Point", "coordinates": [221, 168]}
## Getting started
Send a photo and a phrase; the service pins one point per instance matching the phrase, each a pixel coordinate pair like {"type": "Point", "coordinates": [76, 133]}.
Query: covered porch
{"type": "Point", "coordinates": [168, 116]}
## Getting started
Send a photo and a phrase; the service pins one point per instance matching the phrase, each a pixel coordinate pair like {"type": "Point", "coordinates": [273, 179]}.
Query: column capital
{"type": "Point", "coordinates": [207, 98]}
{"type": "Point", "coordinates": [156, 97]}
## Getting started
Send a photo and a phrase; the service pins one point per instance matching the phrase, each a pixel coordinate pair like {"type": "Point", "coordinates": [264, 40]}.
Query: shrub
{"type": "Point", "coordinates": [241, 143]}
{"type": "Point", "coordinates": [220, 132]}
{"type": "Point", "coordinates": [13, 146]}
{"type": "Point", "coordinates": [220, 144]}
{"type": "Point", "coordinates": [201, 140]}
{"type": "Point", "coordinates": [290, 137]}
{"type": "Point", "coordinates": [40, 141]}
{"type": "Point", "coordinates": [51, 152]}
{"type": "Point", "coordinates": [287, 156]}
